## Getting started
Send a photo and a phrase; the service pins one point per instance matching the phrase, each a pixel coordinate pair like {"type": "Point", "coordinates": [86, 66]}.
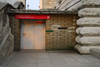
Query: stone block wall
{"type": "Point", "coordinates": [6, 37]}
{"type": "Point", "coordinates": [61, 38]}
{"type": "Point", "coordinates": [89, 27]}
{"type": "Point", "coordinates": [47, 4]}
{"type": "Point", "coordinates": [15, 29]}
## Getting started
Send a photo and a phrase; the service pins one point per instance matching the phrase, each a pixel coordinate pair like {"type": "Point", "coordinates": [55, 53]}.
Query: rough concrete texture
{"type": "Point", "coordinates": [54, 59]}
{"type": "Point", "coordinates": [9, 1]}
{"type": "Point", "coordinates": [6, 38]}
{"type": "Point", "coordinates": [89, 31]}
{"type": "Point", "coordinates": [88, 12]}
{"type": "Point", "coordinates": [78, 30]}
{"type": "Point", "coordinates": [85, 49]}
{"type": "Point", "coordinates": [77, 39]}
{"type": "Point", "coordinates": [7, 48]}
{"type": "Point", "coordinates": [76, 7]}
{"type": "Point", "coordinates": [89, 21]}
{"type": "Point", "coordinates": [67, 5]}
{"type": "Point", "coordinates": [0, 25]}
{"type": "Point", "coordinates": [92, 3]}
{"type": "Point", "coordinates": [95, 53]}
{"type": "Point", "coordinates": [90, 41]}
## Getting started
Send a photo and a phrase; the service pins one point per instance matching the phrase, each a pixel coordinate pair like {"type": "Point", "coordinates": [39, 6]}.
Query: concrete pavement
{"type": "Point", "coordinates": [50, 59]}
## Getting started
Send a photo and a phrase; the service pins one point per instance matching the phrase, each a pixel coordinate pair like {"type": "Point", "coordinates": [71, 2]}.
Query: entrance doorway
{"type": "Point", "coordinates": [32, 34]}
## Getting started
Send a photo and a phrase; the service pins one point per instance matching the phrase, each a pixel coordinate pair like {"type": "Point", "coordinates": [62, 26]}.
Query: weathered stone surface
{"type": "Point", "coordinates": [3, 38]}
{"type": "Point", "coordinates": [89, 24]}
{"type": "Point", "coordinates": [91, 3]}
{"type": "Point", "coordinates": [89, 31]}
{"type": "Point", "coordinates": [77, 39]}
{"type": "Point", "coordinates": [90, 41]}
{"type": "Point", "coordinates": [7, 48]}
{"type": "Point", "coordinates": [67, 5]}
{"type": "Point", "coordinates": [9, 1]}
{"type": "Point", "coordinates": [95, 52]}
{"type": "Point", "coordinates": [88, 12]}
{"type": "Point", "coordinates": [1, 24]}
{"type": "Point", "coordinates": [6, 38]}
{"type": "Point", "coordinates": [85, 49]}
{"type": "Point", "coordinates": [76, 7]}
{"type": "Point", "coordinates": [89, 21]}
{"type": "Point", "coordinates": [78, 30]}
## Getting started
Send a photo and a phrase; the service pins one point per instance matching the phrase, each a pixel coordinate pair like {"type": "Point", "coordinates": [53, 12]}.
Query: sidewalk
{"type": "Point", "coordinates": [50, 59]}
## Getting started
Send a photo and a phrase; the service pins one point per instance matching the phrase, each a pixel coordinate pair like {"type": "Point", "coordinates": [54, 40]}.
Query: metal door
{"type": "Point", "coordinates": [32, 35]}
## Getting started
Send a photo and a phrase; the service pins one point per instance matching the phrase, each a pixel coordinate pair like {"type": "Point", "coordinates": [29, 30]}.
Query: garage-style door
{"type": "Point", "coordinates": [33, 34]}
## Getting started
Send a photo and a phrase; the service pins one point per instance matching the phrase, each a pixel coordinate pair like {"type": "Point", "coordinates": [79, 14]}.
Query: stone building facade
{"type": "Point", "coordinates": [88, 30]}
{"type": "Point", "coordinates": [88, 25]}
{"type": "Point", "coordinates": [60, 29]}
{"type": "Point", "coordinates": [47, 4]}
{"type": "Point", "coordinates": [59, 32]}
{"type": "Point", "coordinates": [6, 37]}
{"type": "Point", "coordinates": [61, 39]}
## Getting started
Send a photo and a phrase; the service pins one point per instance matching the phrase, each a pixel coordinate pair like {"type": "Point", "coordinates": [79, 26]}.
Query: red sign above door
{"type": "Point", "coordinates": [31, 16]}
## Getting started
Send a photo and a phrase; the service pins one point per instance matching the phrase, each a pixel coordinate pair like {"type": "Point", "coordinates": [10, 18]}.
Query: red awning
{"type": "Point", "coordinates": [31, 16]}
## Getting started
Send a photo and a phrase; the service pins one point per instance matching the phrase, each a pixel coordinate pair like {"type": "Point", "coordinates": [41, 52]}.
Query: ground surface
{"type": "Point", "coordinates": [50, 59]}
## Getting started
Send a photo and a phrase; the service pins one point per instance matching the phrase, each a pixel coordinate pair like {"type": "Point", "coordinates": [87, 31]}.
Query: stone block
{"type": "Point", "coordinates": [91, 3]}
{"type": "Point", "coordinates": [78, 30]}
{"type": "Point", "coordinates": [90, 41]}
{"type": "Point", "coordinates": [85, 49]}
{"type": "Point", "coordinates": [88, 12]}
{"type": "Point", "coordinates": [77, 39]}
{"type": "Point", "coordinates": [89, 21]}
{"type": "Point", "coordinates": [89, 31]}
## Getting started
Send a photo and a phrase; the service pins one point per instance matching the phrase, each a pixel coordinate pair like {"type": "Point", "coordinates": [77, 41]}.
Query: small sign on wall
{"type": "Point", "coordinates": [55, 27]}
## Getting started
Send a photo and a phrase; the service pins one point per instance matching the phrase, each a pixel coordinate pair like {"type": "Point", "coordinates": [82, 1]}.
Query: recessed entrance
{"type": "Point", "coordinates": [32, 34]}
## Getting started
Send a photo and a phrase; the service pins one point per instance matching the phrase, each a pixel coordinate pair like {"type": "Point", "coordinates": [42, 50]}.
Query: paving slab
{"type": "Point", "coordinates": [50, 59]}
{"type": "Point", "coordinates": [95, 53]}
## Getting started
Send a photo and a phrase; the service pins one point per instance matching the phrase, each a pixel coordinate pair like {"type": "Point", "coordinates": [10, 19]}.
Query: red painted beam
{"type": "Point", "coordinates": [32, 16]}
